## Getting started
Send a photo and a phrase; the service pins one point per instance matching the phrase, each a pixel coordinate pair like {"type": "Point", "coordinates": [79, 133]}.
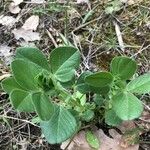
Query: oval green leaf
{"type": "Point", "coordinates": [84, 88]}
{"type": "Point", "coordinates": [24, 73]}
{"type": "Point", "coordinates": [60, 127]}
{"type": "Point", "coordinates": [127, 106]}
{"type": "Point", "coordinates": [123, 67]}
{"type": "Point", "coordinates": [111, 118]}
{"type": "Point", "coordinates": [100, 90]}
{"type": "Point", "coordinates": [43, 106]}
{"type": "Point", "coordinates": [100, 79]}
{"type": "Point", "coordinates": [33, 55]}
{"type": "Point", "coordinates": [64, 61]}
{"type": "Point", "coordinates": [140, 85]}
{"type": "Point", "coordinates": [10, 84]}
{"type": "Point", "coordinates": [92, 140]}
{"type": "Point", "coordinates": [21, 100]}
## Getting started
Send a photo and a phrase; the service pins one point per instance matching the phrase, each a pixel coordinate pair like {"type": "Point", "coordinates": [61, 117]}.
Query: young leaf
{"type": "Point", "coordinates": [100, 79]}
{"type": "Point", "coordinates": [33, 55]}
{"type": "Point", "coordinates": [92, 140]}
{"type": "Point", "coordinates": [10, 84]}
{"type": "Point", "coordinates": [21, 100]}
{"type": "Point", "coordinates": [84, 88]}
{"type": "Point", "coordinates": [43, 106]}
{"type": "Point", "coordinates": [81, 97]}
{"type": "Point", "coordinates": [140, 85]}
{"type": "Point", "coordinates": [44, 81]}
{"type": "Point", "coordinates": [98, 99]}
{"type": "Point", "coordinates": [111, 118]}
{"type": "Point", "coordinates": [127, 106]}
{"type": "Point", "coordinates": [24, 73]}
{"type": "Point", "coordinates": [68, 84]}
{"type": "Point", "coordinates": [100, 90]}
{"type": "Point", "coordinates": [64, 61]}
{"type": "Point", "coordinates": [60, 127]}
{"type": "Point", "coordinates": [123, 67]}
{"type": "Point", "coordinates": [81, 86]}
{"type": "Point", "coordinates": [88, 115]}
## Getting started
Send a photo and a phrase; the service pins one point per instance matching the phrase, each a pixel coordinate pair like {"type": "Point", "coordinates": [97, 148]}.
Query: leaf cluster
{"type": "Point", "coordinates": [60, 99]}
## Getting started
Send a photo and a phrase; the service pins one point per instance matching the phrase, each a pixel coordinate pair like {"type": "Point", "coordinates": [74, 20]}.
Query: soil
{"type": "Point", "coordinates": [95, 36]}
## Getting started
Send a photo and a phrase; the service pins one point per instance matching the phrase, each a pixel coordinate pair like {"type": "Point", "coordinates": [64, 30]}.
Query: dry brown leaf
{"type": "Point", "coordinates": [73, 13]}
{"type": "Point", "coordinates": [26, 31]}
{"type": "Point", "coordinates": [31, 23]}
{"type": "Point", "coordinates": [114, 143]}
{"type": "Point", "coordinates": [6, 54]}
{"type": "Point", "coordinates": [145, 116]}
{"type": "Point", "coordinates": [79, 143]}
{"type": "Point", "coordinates": [61, 1]}
{"type": "Point", "coordinates": [26, 44]}
{"type": "Point", "coordinates": [7, 20]}
{"type": "Point", "coordinates": [126, 125]}
{"type": "Point", "coordinates": [106, 143]}
{"type": "Point", "coordinates": [144, 120]}
{"type": "Point", "coordinates": [124, 1]}
{"type": "Point", "coordinates": [27, 35]}
{"type": "Point", "coordinates": [14, 9]}
{"type": "Point", "coordinates": [131, 2]}
{"type": "Point", "coordinates": [38, 1]}
{"type": "Point", "coordinates": [148, 24]}
{"type": "Point", "coordinates": [82, 1]}
{"type": "Point", "coordinates": [17, 2]}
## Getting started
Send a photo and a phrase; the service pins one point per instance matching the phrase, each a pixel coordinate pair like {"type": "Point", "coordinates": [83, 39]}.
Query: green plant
{"type": "Point", "coordinates": [60, 99]}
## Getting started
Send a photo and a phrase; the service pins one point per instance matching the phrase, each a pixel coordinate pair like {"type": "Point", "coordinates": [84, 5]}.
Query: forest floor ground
{"type": "Point", "coordinates": [100, 29]}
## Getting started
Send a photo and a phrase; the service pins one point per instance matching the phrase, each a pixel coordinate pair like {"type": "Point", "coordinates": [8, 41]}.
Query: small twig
{"type": "Point", "coordinates": [146, 107]}
{"type": "Point", "coordinates": [9, 117]}
{"type": "Point", "coordinates": [141, 50]}
{"type": "Point", "coordinates": [87, 23]}
{"type": "Point", "coordinates": [119, 36]}
{"type": "Point", "coordinates": [85, 127]}
{"type": "Point", "coordinates": [51, 37]}
{"type": "Point", "coordinates": [144, 142]}
{"type": "Point", "coordinates": [70, 141]}
{"type": "Point", "coordinates": [145, 7]}
{"type": "Point", "coordinates": [147, 121]}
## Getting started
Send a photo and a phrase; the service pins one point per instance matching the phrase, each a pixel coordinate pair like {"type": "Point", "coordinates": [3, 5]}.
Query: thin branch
{"type": "Point", "coordinates": [119, 36]}
{"type": "Point", "coordinates": [87, 23]}
{"type": "Point", "coordinates": [51, 37]}
{"type": "Point", "coordinates": [141, 50]}
{"type": "Point", "coordinates": [70, 141]}
{"type": "Point", "coordinates": [23, 120]}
